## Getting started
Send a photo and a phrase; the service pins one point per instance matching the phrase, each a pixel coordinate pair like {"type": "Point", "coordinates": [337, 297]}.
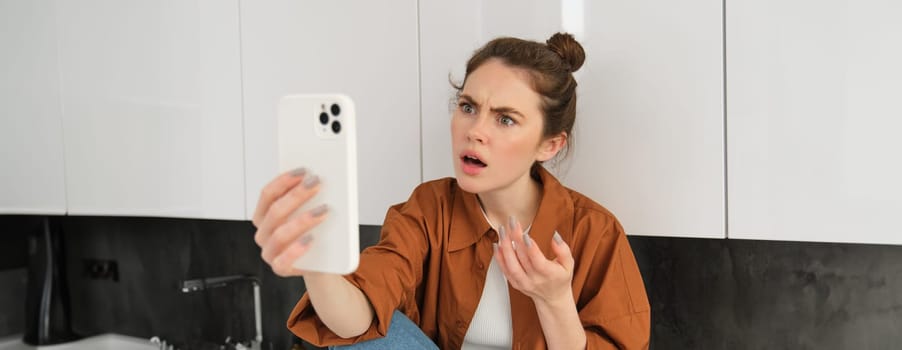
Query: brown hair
{"type": "Point", "coordinates": [550, 65]}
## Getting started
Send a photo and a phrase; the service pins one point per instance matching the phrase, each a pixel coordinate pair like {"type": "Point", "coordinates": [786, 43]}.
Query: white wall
{"type": "Point", "coordinates": [168, 108]}
{"type": "Point", "coordinates": [367, 50]}
{"type": "Point", "coordinates": [32, 169]}
{"type": "Point", "coordinates": [649, 131]}
{"type": "Point", "coordinates": [814, 119]}
{"type": "Point", "coordinates": [151, 100]}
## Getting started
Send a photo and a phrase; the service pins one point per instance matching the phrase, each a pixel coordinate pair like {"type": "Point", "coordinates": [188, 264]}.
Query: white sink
{"type": "Point", "coordinates": [99, 342]}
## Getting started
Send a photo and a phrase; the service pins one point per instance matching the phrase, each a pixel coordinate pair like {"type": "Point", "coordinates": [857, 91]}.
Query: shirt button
{"type": "Point", "coordinates": [480, 266]}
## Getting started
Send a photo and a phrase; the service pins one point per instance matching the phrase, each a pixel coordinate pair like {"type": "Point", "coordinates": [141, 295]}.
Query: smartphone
{"type": "Point", "coordinates": [318, 132]}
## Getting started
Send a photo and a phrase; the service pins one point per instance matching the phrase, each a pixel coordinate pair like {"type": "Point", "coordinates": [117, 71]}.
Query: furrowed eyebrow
{"type": "Point", "coordinates": [499, 110]}
{"type": "Point", "coordinates": [469, 100]}
{"type": "Point", "coordinates": [508, 110]}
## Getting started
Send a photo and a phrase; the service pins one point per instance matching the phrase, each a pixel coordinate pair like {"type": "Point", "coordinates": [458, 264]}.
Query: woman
{"type": "Point", "coordinates": [502, 256]}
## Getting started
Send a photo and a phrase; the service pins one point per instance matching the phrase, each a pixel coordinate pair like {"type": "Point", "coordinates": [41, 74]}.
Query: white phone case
{"type": "Point", "coordinates": [308, 138]}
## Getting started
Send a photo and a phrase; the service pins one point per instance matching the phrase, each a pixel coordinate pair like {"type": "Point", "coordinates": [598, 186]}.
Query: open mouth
{"type": "Point", "coordinates": [471, 160]}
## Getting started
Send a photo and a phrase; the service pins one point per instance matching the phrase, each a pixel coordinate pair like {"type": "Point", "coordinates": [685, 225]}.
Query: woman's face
{"type": "Point", "coordinates": [496, 129]}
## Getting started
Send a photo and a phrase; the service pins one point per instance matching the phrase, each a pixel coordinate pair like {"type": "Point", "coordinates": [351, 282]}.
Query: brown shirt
{"type": "Point", "coordinates": [432, 258]}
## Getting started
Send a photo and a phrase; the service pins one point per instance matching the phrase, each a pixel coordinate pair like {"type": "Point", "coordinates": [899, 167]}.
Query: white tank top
{"type": "Point", "coordinates": [491, 327]}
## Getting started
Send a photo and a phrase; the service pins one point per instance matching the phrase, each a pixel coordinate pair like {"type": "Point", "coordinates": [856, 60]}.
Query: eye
{"type": "Point", "coordinates": [506, 120]}
{"type": "Point", "coordinates": [467, 108]}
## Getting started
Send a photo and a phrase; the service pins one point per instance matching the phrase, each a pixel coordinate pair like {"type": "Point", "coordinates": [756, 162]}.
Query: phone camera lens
{"type": "Point", "coordinates": [324, 118]}
{"type": "Point", "coordinates": [336, 126]}
{"type": "Point", "coordinates": [335, 109]}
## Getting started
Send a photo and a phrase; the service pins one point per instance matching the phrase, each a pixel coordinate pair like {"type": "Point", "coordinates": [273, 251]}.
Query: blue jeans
{"type": "Point", "coordinates": [402, 334]}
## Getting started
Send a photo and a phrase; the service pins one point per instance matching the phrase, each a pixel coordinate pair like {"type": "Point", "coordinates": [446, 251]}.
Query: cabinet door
{"type": "Point", "coordinates": [151, 99]}
{"type": "Point", "coordinates": [648, 140]}
{"type": "Point", "coordinates": [31, 139]}
{"type": "Point", "coordinates": [364, 49]}
{"type": "Point", "coordinates": [813, 120]}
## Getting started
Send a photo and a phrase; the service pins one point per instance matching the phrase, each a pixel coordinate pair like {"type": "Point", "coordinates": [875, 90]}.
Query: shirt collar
{"type": "Point", "coordinates": [555, 213]}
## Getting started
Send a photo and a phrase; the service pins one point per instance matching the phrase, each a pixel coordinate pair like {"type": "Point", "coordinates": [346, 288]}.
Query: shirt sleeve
{"type": "Point", "coordinates": [387, 275]}
{"type": "Point", "coordinates": [613, 306]}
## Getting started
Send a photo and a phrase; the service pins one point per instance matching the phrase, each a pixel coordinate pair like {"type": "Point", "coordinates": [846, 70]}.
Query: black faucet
{"type": "Point", "coordinates": [47, 302]}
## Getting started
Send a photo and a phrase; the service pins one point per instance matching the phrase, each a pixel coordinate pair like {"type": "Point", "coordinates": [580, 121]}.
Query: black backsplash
{"type": "Point", "coordinates": [12, 297]}
{"type": "Point", "coordinates": [705, 294]}
{"type": "Point", "coordinates": [14, 231]}
{"type": "Point", "coordinates": [154, 255]}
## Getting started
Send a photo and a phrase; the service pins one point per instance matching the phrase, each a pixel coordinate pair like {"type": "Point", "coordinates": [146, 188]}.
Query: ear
{"type": "Point", "coordinates": [551, 146]}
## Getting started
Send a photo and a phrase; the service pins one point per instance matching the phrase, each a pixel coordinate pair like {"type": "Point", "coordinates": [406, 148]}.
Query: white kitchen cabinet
{"type": "Point", "coordinates": [31, 139]}
{"type": "Point", "coordinates": [649, 131]}
{"type": "Point", "coordinates": [364, 49]}
{"type": "Point", "coordinates": [813, 92]}
{"type": "Point", "coordinates": [151, 107]}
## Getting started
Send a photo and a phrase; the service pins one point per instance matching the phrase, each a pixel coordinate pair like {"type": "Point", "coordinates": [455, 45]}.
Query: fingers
{"type": "Point", "coordinates": [286, 205]}
{"type": "Point", "coordinates": [274, 190]}
{"type": "Point", "coordinates": [519, 255]}
{"type": "Point", "coordinates": [526, 267]}
{"type": "Point", "coordinates": [507, 258]}
{"type": "Point", "coordinates": [540, 264]}
{"type": "Point", "coordinates": [523, 244]}
{"type": "Point", "coordinates": [282, 263]}
{"type": "Point", "coordinates": [283, 237]}
{"type": "Point", "coordinates": [562, 250]}
{"type": "Point", "coordinates": [281, 234]}
{"type": "Point", "coordinates": [512, 261]}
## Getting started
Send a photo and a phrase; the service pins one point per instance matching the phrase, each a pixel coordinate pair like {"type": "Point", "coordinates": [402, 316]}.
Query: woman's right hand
{"type": "Point", "coordinates": [281, 235]}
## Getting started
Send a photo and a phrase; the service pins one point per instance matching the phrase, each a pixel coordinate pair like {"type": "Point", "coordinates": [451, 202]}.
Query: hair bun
{"type": "Point", "coordinates": [564, 45]}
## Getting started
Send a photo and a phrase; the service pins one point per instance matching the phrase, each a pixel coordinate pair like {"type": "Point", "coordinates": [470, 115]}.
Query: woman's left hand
{"type": "Point", "coordinates": [527, 269]}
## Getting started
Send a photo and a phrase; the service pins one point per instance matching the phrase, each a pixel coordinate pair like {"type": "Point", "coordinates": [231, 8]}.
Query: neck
{"type": "Point", "coordinates": [520, 200]}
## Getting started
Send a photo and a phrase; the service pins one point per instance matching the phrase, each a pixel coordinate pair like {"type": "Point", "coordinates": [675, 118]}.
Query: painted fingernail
{"type": "Point", "coordinates": [512, 222]}
{"type": "Point", "coordinates": [306, 239]}
{"type": "Point", "coordinates": [298, 172]}
{"type": "Point", "coordinates": [495, 246]}
{"type": "Point", "coordinates": [501, 233]}
{"type": "Point", "coordinates": [319, 211]}
{"type": "Point", "coordinates": [557, 238]}
{"type": "Point", "coordinates": [526, 240]}
{"type": "Point", "coordinates": [513, 245]}
{"type": "Point", "coordinates": [311, 181]}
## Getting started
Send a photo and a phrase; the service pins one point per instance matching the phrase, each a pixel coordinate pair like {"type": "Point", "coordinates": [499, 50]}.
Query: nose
{"type": "Point", "coordinates": [476, 132]}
